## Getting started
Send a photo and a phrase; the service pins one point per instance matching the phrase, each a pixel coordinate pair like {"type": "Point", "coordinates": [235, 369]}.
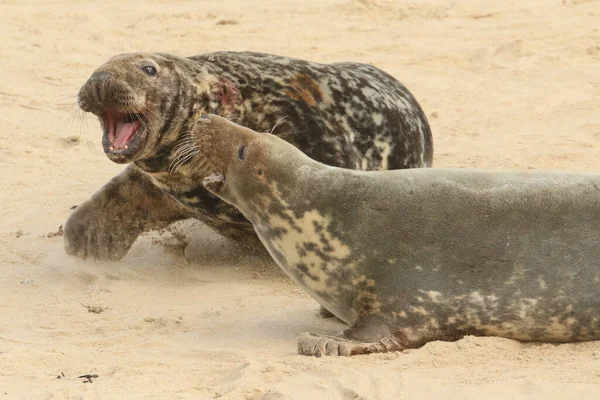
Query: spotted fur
{"type": "Point", "coordinates": [410, 256]}
{"type": "Point", "coordinates": [344, 114]}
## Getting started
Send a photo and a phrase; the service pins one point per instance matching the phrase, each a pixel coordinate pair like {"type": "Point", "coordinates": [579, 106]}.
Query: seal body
{"type": "Point", "coordinates": [410, 256]}
{"type": "Point", "coordinates": [345, 114]}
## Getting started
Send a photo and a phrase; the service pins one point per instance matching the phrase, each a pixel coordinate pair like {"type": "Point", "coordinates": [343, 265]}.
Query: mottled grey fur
{"type": "Point", "coordinates": [345, 114]}
{"type": "Point", "coordinates": [410, 256]}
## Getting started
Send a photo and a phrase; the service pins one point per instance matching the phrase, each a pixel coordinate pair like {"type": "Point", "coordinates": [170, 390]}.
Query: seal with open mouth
{"type": "Point", "coordinates": [345, 114]}
{"type": "Point", "coordinates": [411, 256]}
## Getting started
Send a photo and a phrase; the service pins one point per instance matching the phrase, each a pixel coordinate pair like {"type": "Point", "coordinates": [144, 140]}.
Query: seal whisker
{"type": "Point", "coordinates": [184, 151]}
{"type": "Point", "coordinates": [138, 115]}
{"type": "Point", "coordinates": [153, 113]}
{"type": "Point", "coordinates": [277, 123]}
{"type": "Point", "coordinates": [74, 114]}
{"type": "Point", "coordinates": [70, 105]}
{"type": "Point", "coordinates": [69, 109]}
{"type": "Point", "coordinates": [185, 135]}
{"type": "Point", "coordinates": [184, 147]}
{"type": "Point", "coordinates": [180, 147]}
{"type": "Point", "coordinates": [142, 122]}
{"type": "Point", "coordinates": [233, 118]}
{"type": "Point", "coordinates": [68, 99]}
{"type": "Point", "coordinates": [182, 154]}
{"type": "Point", "coordinates": [189, 156]}
{"type": "Point", "coordinates": [184, 160]}
{"type": "Point", "coordinates": [83, 119]}
{"type": "Point", "coordinates": [67, 96]}
{"type": "Point", "coordinates": [194, 126]}
{"type": "Point", "coordinates": [184, 141]}
{"type": "Point", "coordinates": [74, 117]}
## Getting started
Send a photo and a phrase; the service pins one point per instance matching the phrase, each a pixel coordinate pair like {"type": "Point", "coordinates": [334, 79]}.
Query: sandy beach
{"type": "Point", "coordinates": [512, 84]}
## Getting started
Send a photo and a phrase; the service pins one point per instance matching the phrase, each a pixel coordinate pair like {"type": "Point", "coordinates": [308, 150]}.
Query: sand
{"type": "Point", "coordinates": [512, 84]}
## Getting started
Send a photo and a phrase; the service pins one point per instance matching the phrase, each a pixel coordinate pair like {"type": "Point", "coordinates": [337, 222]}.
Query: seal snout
{"type": "Point", "coordinates": [211, 137]}
{"type": "Point", "coordinates": [103, 91]}
{"type": "Point", "coordinates": [222, 142]}
{"type": "Point", "coordinates": [100, 76]}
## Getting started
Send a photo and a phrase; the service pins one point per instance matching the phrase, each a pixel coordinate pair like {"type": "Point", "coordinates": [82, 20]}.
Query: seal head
{"type": "Point", "coordinates": [239, 161]}
{"type": "Point", "coordinates": [138, 99]}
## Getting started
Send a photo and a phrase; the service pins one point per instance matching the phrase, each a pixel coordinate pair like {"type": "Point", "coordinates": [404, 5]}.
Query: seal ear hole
{"type": "Point", "coordinates": [259, 172]}
{"type": "Point", "coordinates": [242, 151]}
{"type": "Point", "coordinates": [149, 70]}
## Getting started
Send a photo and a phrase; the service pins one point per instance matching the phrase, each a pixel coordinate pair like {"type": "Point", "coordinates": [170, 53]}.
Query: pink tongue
{"type": "Point", "coordinates": [124, 132]}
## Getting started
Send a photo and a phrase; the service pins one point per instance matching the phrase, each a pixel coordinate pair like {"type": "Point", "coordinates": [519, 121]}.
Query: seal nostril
{"type": "Point", "coordinates": [96, 86]}
{"type": "Point", "coordinates": [242, 152]}
{"type": "Point", "coordinates": [99, 76]}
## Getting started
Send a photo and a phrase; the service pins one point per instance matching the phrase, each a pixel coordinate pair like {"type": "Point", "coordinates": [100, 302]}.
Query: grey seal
{"type": "Point", "coordinates": [347, 114]}
{"type": "Point", "coordinates": [410, 256]}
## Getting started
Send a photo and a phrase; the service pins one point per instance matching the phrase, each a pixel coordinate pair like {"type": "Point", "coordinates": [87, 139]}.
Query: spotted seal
{"type": "Point", "coordinates": [410, 256]}
{"type": "Point", "coordinates": [147, 103]}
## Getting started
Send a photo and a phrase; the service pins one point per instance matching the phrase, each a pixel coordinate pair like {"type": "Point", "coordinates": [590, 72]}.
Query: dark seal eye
{"type": "Point", "coordinates": [242, 153]}
{"type": "Point", "coordinates": [149, 70]}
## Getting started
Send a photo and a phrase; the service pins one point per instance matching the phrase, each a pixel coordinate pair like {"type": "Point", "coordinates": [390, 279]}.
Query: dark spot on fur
{"type": "Point", "coordinates": [301, 267]}
{"type": "Point", "coordinates": [318, 227]}
{"type": "Point", "coordinates": [309, 246]}
{"type": "Point", "coordinates": [279, 232]}
{"type": "Point", "coordinates": [301, 251]}
{"type": "Point", "coordinates": [302, 87]}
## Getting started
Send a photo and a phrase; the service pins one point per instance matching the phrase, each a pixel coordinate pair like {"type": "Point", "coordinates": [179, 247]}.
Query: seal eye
{"type": "Point", "coordinates": [242, 152]}
{"type": "Point", "coordinates": [149, 70]}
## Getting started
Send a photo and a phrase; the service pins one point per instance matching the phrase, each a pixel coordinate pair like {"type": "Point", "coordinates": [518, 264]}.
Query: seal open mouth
{"type": "Point", "coordinates": [122, 135]}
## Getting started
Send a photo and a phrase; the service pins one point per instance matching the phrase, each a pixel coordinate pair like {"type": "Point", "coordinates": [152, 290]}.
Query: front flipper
{"type": "Point", "coordinates": [369, 335]}
{"type": "Point", "coordinates": [310, 344]}
{"type": "Point", "coordinates": [105, 226]}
